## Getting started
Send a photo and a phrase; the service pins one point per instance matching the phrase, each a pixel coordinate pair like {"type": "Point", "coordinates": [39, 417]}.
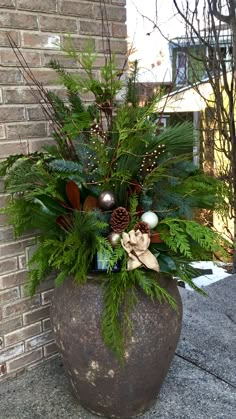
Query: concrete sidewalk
{"type": "Point", "coordinates": [201, 383]}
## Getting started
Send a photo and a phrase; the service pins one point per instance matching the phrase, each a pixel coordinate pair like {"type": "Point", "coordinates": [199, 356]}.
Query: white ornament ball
{"type": "Point", "coordinates": [150, 218]}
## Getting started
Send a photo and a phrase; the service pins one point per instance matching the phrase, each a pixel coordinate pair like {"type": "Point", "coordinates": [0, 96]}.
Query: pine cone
{"type": "Point", "coordinates": [143, 227]}
{"type": "Point", "coordinates": [120, 219]}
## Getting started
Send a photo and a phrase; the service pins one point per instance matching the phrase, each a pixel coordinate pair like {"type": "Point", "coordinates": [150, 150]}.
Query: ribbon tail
{"type": "Point", "coordinates": [133, 263]}
{"type": "Point", "coordinates": [149, 261]}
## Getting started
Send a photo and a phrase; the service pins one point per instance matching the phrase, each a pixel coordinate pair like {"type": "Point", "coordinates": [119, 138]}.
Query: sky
{"type": "Point", "coordinates": [152, 49]}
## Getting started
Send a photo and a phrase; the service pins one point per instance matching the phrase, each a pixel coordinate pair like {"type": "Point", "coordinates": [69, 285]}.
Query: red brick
{"type": "Point", "coordinates": [64, 60]}
{"type": "Point", "coordinates": [39, 340]}
{"type": "Point", "coordinates": [3, 219]}
{"type": "Point", "coordinates": [9, 58]}
{"type": "Point", "coordinates": [76, 8]}
{"type": "Point", "coordinates": [20, 95]}
{"type": "Point", "coordinates": [18, 20]}
{"type": "Point", "coordinates": [120, 2]}
{"type": "Point", "coordinates": [26, 130]}
{"type": "Point", "coordinates": [47, 324]}
{"type": "Point", "coordinates": [3, 370]}
{"type": "Point", "coordinates": [78, 43]}
{"type": "Point", "coordinates": [35, 113]}
{"type": "Point", "coordinates": [43, 41]}
{"type": "Point", "coordinates": [11, 148]}
{"type": "Point", "coordinates": [60, 92]}
{"type": "Point", "coordinates": [45, 76]}
{"type": "Point", "coordinates": [50, 349]}
{"type": "Point", "coordinates": [7, 3]}
{"type": "Point", "coordinates": [22, 261]}
{"type": "Point", "coordinates": [24, 360]}
{"type": "Point", "coordinates": [2, 132]}
{"type": "Point", "coordinates": [6, 234]}
{"type": "Point", "coordinates": [15, 248]}
{"type": "Point", "coordinates": [37, 145]}
{"type": "Point", "coordinates": [10, 353]}
{"type": "Point", "coordinates": [57, 24]}
{"type": "Point", "coordinates": [36, 315]}
{"type": "Point", "coordinates": [22, 334]}
{"type": "Point", "coordinates": [4, 41]}
{"type": "Point", "coordinates": [89, 27]}
{"type": "Point", "coordinates": [47, 296]}
{"type": "Point", "coordinates": [112, 13]}
{"type": "Point", "coordinates": [118, 47]}
{"type": "Point", "coordinates": [10, 325]}
{"type": "Point", "coordinates": [45, 6]}
{"type": "Point", "coordinates": [12, 279]}
{"type": "Point", "coordinates": [119, 30]}
{"type": "Point", "coordinates": [4, 199]}
{"type": "Point", "coordinates": [8, 265]}
{"type": "Point", "coordinates": [12, 113]}
{"type": "Point", "coordinates": [10, 294]}
{"type": "Point", "coordinates": [21, 306]}
{"type": "Point", "coordinates": [47, 284]}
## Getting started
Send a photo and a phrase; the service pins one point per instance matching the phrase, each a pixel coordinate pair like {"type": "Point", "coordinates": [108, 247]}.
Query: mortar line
{"type": "Point", "coordinates": [203, 369]}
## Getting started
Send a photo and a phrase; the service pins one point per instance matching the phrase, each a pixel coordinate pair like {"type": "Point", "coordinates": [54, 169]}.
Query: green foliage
{"type": "Point", "coordinates": [132, 94]}
{"type": "Point", "coordinates": [20, 215]}
{"type": "Point", "coordinates": [112, 325]}
{"type": "Point", "coordinates": [190, 239]}
{"type": "Point", "coordinates": [152, 289]}
{"type": "Point", "coordinates": [118, 148]}
{"type": "Point", "coordinates": [5, 165]}
{"type": "Point", "coordinates": [39, 268]}
{"type": "Point", "coordinates": [133, 205]}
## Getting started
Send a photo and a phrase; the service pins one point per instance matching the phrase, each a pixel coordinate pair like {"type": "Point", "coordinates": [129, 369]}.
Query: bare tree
{"type": "Point", "coordinates": [210, 41]}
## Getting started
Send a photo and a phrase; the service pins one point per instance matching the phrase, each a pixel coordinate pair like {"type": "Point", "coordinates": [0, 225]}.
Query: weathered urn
{"type": "Point", "coordinates": [100, 383]}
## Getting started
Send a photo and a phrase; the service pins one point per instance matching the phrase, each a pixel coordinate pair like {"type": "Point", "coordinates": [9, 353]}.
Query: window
{"type": "Point", "coordinates": [181, 68]}
{"type": "Point", "coordinates": [222, 53]}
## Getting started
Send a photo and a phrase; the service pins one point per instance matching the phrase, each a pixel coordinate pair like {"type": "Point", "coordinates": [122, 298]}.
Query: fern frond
{"type": "Point", "coordinates": [175, 237]}
{"type": "Point", "coordinates": [39, 268]}
{"type": "Point", "coordinates": [7, 164]}
{"type": "Point", "coordinates": [152, 289]}
{"type": "Point", "coordinates": [112, 331]}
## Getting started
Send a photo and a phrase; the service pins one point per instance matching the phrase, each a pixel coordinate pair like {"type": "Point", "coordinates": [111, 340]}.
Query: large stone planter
{"type": "Point", "coordinates": [99, 382]}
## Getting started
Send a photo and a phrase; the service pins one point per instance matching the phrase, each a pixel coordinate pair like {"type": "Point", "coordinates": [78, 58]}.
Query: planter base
{"type": "Point", "coordinates": [100, 383]}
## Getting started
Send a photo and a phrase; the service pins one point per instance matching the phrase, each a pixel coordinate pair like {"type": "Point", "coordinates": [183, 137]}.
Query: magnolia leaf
{"type": "Point", "coordinates": [90, 203]}
{"type": "Point", "coordinates": [73, 194]}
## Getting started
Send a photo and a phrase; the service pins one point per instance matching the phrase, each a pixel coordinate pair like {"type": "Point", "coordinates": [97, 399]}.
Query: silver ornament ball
{"type": "Point", "coordinates": [150, 218]}
{"type": "Point", "coordinates": [106, 200]}
{"type": "Point", "coordinates": [114, 239]}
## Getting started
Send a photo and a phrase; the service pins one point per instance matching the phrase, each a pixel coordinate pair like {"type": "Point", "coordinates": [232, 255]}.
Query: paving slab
{"type": "Point", "coordinates": [208, 336]}
{"type": "Point", "coordinates": [200, 383]}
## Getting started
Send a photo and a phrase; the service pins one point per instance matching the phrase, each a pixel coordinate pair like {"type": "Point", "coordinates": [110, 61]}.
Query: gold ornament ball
{"type": "Point", "coordinates": [114, 238]}
{"type": "Point", "coordinates": [106, 200]}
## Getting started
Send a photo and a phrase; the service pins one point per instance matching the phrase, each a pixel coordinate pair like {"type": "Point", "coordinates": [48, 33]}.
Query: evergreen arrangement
{"type": "Point", "coordinates": [113, 193]}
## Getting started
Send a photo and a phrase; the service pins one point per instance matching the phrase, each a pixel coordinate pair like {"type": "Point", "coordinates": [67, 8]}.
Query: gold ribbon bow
{"type": "Point", "coordinates": [136, 245]}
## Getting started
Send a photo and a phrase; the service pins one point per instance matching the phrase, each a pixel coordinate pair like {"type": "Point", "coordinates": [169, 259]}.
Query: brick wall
{"type": "Point", "coordinates": [36, 25]}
